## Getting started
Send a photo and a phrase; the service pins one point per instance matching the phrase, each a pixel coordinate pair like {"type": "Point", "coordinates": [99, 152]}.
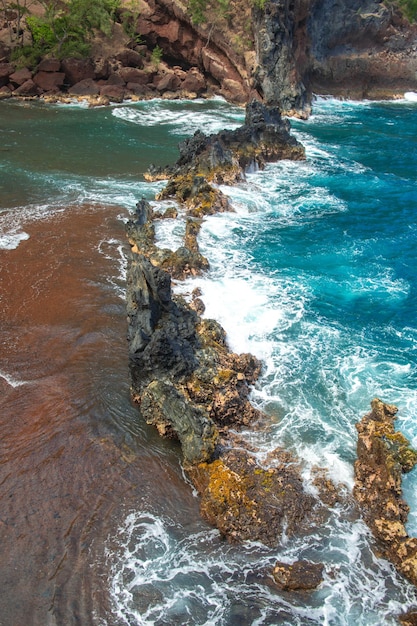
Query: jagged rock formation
{"type": "Point", "coordinates": [383, 456]}
{"type": "Point", "coordinates": [224, 157]}
{"type": "Point", "coordinates": [185, 379]}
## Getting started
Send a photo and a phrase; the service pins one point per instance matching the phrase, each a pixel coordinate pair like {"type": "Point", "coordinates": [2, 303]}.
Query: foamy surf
{"type": "Point", "coordinates": [10, 241]}
{"type": "Point", "coordinates": [164, 574]}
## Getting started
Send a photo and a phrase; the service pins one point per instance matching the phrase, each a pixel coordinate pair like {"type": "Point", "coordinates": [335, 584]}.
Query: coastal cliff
{"type": "Point", "coordinates": [279, 52]}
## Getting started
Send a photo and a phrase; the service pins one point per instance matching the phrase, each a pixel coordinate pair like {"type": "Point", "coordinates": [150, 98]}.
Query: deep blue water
{"type": "Point", "coordinates": [315, 273]}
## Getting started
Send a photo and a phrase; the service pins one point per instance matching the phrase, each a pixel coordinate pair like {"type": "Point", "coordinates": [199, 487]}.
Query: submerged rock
{"type": "Point", "coordinates": [383, 456]}
{"type": "Point", "coordinates": [298, 576]}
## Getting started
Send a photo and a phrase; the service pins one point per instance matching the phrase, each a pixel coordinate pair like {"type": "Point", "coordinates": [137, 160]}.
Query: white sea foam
{"type": "Point", "coordinates": [180, 118]}
{"type": "Point", "coordinates": [11, 240]}
{"type": "Point", "coordinates": [162, 572]}
{"type": "Point", "coordinates": [12, 381]}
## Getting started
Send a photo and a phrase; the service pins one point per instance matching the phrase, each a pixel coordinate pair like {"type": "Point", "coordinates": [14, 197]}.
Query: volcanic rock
{"type": "Point", "coordinates": [383, 456]}
{"type": "Point", "coordinates": [298, 576]}
{"type": "Point", "coordinates": [20, 76]}
{"type": "Point", "coordinates": [77, 70]}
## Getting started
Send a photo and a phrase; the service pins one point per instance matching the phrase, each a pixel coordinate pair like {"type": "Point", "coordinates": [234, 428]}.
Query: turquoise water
{"type": "Point", "coordinates": [315, 273]}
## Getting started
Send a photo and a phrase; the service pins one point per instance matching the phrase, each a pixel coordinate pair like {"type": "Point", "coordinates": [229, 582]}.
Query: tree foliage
{"type": "Point", "coordinates": [66, 29]}
{"type": "Point", "coordinates": [409, 8]}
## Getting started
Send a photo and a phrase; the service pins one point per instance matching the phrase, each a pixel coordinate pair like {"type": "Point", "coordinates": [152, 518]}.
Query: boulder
{"type": "Point", "coordinates": [49, 81]}
{"type": "Point", "coordinates": [194, 81]}
{"type": "Point", "coordinates": [298, 576]}
{"type": "Point", "coordinates": [86, 87]}
{"type": "Point", "coordinates": [115, 79]}
{"type": "Point", "coordinates": [77, 70]}
{"type": "Point", "coordinates": [5, 92]}
{"type": "Point", "coordinates": [134, 75]}
{"type": "Point", "coordinates": [233, 90]}
{"type": "Point", "coordinates": [20, 76]}
{"type": "Point", "coordinates": [101, 69]}
{"type": "Point", "coordinates": [130, 58]}
{"type": "Point", "coordinates": [6, 69]}
{"type": "Point", "coordinates": [49, 65]}
{"type": "Point", "coordinates": [167, 82]}
{"type": "Point", "coordinates": [115, 93]}
{"type": "Point", "coordinates": [141, 91]}
{"type": "Point", "coordinates": [28, 88]}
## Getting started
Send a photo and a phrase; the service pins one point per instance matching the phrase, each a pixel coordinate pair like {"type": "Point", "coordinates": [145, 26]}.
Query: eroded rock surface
{"type": "Point", "coordinates": [224, 157]}
{"type": "Point", "coordinates": [383, 456]}
{"type": "Point", "coordinates": [185, 379]}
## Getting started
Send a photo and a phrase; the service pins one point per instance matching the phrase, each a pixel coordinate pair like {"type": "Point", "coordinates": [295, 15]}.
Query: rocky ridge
{"type": "Point", "coordinates": [186, 381]}
{"type": "Point", "coordinates": [189, 385]}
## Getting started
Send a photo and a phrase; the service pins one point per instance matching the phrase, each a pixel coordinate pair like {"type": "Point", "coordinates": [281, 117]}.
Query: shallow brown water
{"type": "Point", "coordinates": [74, 455]}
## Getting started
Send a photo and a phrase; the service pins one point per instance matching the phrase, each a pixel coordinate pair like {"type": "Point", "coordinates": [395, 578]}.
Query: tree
{"type": "Point", "coordinates": [66, 29]}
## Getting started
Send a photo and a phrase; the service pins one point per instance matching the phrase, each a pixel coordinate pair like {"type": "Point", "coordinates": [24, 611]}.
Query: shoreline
{"type": "Point", "coordinates": [224, 472]}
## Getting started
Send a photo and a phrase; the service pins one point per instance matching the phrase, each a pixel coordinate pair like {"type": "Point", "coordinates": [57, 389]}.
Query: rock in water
{"type": "Point", "coordinates": [383, 456]}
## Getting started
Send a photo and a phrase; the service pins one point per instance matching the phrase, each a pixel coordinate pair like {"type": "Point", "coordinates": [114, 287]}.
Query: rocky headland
{"type": "Point", "coordinates": [185, 380]}
{"type": "Point", "coordinates": [193, 389]}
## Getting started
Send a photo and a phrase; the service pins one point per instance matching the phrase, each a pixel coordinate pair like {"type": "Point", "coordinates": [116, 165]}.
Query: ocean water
{"type": "Point", "coordinates": [314, 272]}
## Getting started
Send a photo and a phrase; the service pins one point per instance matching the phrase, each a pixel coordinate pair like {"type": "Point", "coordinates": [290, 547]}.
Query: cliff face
{"type": "Point", "coordinates": [349, 48]}
{"type": "Point", "coordinates": [281, 53]}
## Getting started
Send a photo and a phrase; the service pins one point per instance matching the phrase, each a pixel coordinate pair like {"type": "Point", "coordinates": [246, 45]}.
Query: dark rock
{"type": "Point", "coordinates": [6, 70]}
{"type": "Point", "coordinates": [49, 65]}
{"type": "Point", "coordinates": [28, 88]}
{"type": "Point", "coordinates": [115, 93]}
{"type": "Point", "coordinates": [130, 58]}
{"type": "Point", "coordinates": [298, 576]}
{"type": "Point", "coordinates": [162, 335]}
{"type": "Point", "coordinates": [49, 81]}
{"type": "Point", "coordinates": [77, 70]}
{"type": "Point", "coordinates": [173, 415]}
{"type": "Point", "coordinates": [225, 156]}
{"type": "Point", "coordinates": [134, 75]}
{"type": "Point", "coordinates": [248, 502]}
{"type": "Point", "coordinates": [86, 87]}
{"type": "Point", "coordinates": [20, 76]}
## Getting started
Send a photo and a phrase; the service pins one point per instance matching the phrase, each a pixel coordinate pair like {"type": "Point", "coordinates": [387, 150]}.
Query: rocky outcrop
{"type": "Point", "coordinates": [383, 456]}
{"type": "Point", "coordinates": [349, 48]}
{"type": "Point", "coordinates": [298, 576]}
{"type": "Point", "coordinates": [185, 380]}
{"type": "Point", "coordinates": [224, 157]}
{"type": "Point", "coordinates": [366, 50]}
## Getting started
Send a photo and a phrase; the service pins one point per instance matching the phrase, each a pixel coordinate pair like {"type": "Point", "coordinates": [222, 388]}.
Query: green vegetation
{"type": "Point", "coordinates": [64, 29]}
{"type": "Point", "coordinates": [128, 18]}
{"type": "Point", "coordinates": [409, 8]}
{"type": "Point", "coordinates": [156, 55]}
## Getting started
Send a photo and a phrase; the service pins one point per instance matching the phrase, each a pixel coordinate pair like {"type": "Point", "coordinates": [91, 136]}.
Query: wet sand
{"type": "Point", "coordinates": [75, 458]}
